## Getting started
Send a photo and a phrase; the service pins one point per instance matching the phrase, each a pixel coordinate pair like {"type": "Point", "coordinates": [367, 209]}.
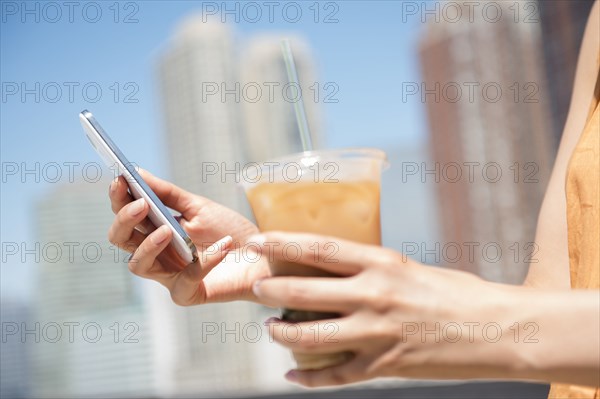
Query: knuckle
{"type": "Point", "coordinates": [377, 297]}
{"type": "Point", "coordinates": [380, 330]}
{"type": "Point", "coordinates": [369, 295]}
{"type": "Point", "coordinates": [134, 266]}
{"type": "Point", "coordinates": [387, 258]}
{"type": "Point", "coordinates": [196, 202]}
{"type": "Point", "coordinates": [135, 263]}
{"type": "Point", "coordinates": [120, 220]}
{"type": "Point", "coordinates": [390, 362]}
{"type": "Point", "coordinates": [112, 236]}
{"type": "Point", "coordinates": [383, 304]}
{"type": "Point", "coordinates": [123, 215]}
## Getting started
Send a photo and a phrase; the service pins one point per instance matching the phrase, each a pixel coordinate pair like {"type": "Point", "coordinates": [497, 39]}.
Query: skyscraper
{"type": "Point", "coordinates": [89, 329]}
{"type": "Point", "coordinates": [502, 130]}
{"type": "Point", "coordinates": [207, 108]}
{"type": "Point", "coordinates": [270, 125]}
{"type": "Point", "coordinates": [199, 88]}
{"type": "Point", "coordinates": [15, 375]}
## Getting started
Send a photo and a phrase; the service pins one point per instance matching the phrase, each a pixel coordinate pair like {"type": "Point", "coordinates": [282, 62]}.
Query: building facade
{"type": "Point", "coordinates": [485, 91]}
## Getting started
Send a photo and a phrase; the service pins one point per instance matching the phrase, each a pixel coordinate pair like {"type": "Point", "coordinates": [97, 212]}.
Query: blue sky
{"type": "Point", "coordinates": [369, 52]}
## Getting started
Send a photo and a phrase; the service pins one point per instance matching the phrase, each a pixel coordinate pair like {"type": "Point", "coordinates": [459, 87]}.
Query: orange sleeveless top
{"type": "Point", "coordinates": [583, 223]}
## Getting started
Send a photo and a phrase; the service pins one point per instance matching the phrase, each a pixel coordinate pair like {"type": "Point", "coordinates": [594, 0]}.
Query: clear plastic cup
{"type": "Point", "coordinates": [330, 192]}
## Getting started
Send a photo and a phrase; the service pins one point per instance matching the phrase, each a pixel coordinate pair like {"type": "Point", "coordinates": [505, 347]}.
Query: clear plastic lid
{"type": "Point", "coordinates": [321, 166]}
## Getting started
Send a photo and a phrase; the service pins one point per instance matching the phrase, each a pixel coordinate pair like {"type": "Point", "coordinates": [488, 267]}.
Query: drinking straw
{"type": "Point", "coordinates": [299, 104]}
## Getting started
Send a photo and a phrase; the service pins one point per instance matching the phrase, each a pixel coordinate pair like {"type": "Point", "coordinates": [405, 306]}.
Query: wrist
{"type": "Point", "coordinates": [520, 333]}
{"type": "Point", "coordinates": [502, 346]}
{"type": "Point", "coordinates": [473, 333]}
{"type": "Point", "coordinates": [536, 322]}
{"type": "Point", "coordinates": [562, 344]}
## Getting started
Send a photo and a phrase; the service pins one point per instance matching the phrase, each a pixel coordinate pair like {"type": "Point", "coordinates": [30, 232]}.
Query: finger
{"type": "Point", "coordinates": [322, 294]}
{"type": "Point", "coordinates": [315, 337]}
{"type": "Point", "coordinates": [328, 253]}
{"type": "Point", "coordinates": [144, 257]}
{"type": "Point", "coordinates": [118, 194]}
{"type": "Point", "coordinates": [186, 285]}
{"type": "Point", "coordinates": [133, 243]}
{"type": "Point", "coordinates": [120, 197]}
{"type": "Point", "coordinates": [171, 195]}
{"type": "Point", "coordinates": [123, 226]}
{"type": "Point", "coordinates": [346, 373]}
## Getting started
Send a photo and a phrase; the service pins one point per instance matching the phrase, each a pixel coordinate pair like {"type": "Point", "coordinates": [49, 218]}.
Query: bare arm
{"type": "Point", "coordinates": [562, 340]}
{"type": "Point", "coordinates": [400, 318]}
{"type": "Point", "coordinates": [404, 319]}
{"type": "Point", "coordinates": [552, 270]}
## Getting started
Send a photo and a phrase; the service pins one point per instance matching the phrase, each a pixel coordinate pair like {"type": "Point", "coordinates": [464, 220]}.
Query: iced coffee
{"type": "Point", "coordinates": [334, 193]}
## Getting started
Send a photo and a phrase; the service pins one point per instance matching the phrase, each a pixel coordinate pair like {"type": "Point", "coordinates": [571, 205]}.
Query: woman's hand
{"type": "Point", "coordinates": [206, 222]}
{"type": "Point", "coordinates": [398, 317]}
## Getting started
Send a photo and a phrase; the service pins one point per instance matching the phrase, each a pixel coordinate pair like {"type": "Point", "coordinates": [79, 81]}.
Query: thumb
{"type": "Point", "coordinates": [186, 285]}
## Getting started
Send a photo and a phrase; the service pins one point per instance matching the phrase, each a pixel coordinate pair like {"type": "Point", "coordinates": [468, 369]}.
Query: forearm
{"type": "Point", "coordinates": [513, 332]}
{"type": "Point", "coordinates": [549, 336]}
{"type": "Point", "coordinates": [566, 343]}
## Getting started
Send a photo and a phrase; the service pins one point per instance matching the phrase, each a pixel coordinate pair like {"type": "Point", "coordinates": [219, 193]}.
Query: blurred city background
{"type": "Point", "coordinates": [467, 99]}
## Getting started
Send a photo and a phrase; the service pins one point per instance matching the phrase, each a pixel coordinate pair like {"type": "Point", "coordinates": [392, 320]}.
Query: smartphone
{"type": "Point", "coordinates": [159, 214]}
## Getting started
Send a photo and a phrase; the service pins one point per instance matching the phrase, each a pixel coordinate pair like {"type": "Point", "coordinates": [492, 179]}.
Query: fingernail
{"type": "Point", "coordinates": [137, 207]}
{"type": "Point", "coordinates": [160, 235]}
{"type": "Point", "coordinates": [257, 239]}
{"type": "Point", "coordinates": [291, 376]}
{"type": "Point", "coordinates": [271, 320]}
{"type": "Point", "coordinates": [256, 287]}
{"type": "Point", "coordinates": [113, 185]}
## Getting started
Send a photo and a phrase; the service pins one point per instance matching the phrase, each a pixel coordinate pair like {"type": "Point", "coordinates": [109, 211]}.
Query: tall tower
{"type": "Point", "coordinates": [510, 133]}
{"type": "Point", "coordinates": [15, 376]}
{"type": "Point", "coordinates": [271, 129]}
{"type": "Point", "coordinates": [201, 94]}
{"type": "Point", "coordinates": [91, 334]}
{"type": "Point", "coordinates": [197, 75]}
